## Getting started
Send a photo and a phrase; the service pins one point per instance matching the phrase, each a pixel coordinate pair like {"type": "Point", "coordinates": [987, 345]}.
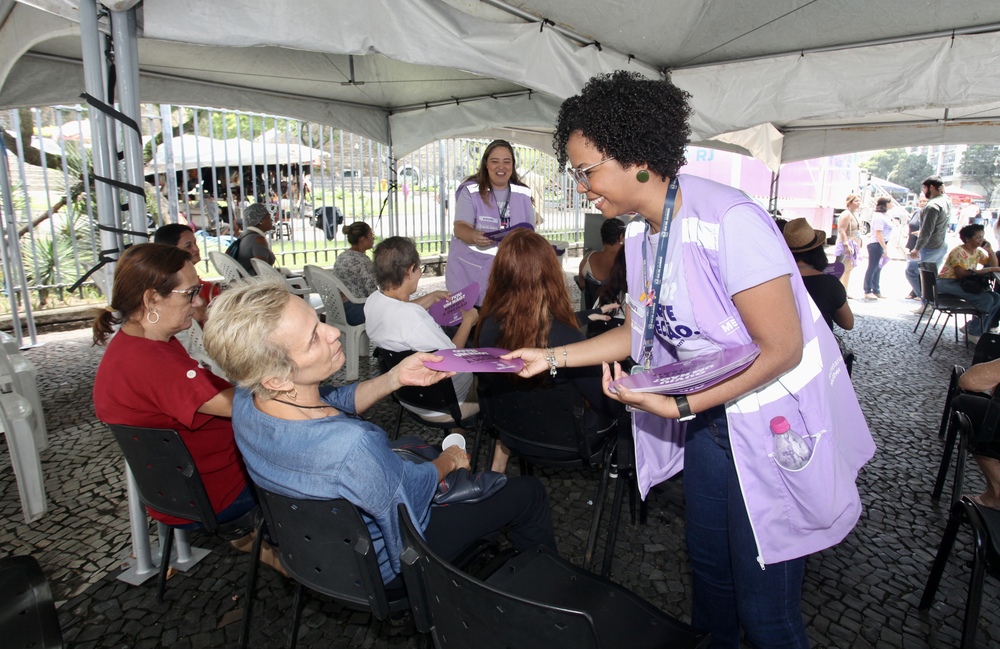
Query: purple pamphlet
{"type": "Point", "coordinates": [485, 359]}
{"type": "Point", "coordinates": [448, 311]}
{"type": "Point", "coordinates": [498, 235]}
{"type": "Point", "coordinates": [694, 374]}
{"type": "Point", "coordinates": [836, 269]}
{"type": "Point", "coordinates": [883, 261]}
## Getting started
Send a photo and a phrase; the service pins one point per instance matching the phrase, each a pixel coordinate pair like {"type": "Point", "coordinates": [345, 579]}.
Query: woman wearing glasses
{"type": "Point", "coordinates": [708, 270]}
{"type": "Point", "coordinates": [147, 379]}
{"type": "Point", "coordinates": [492, 199]}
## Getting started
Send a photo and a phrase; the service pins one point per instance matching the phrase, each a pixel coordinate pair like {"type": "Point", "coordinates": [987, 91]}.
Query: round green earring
{"type": "Point", "coordinates": [642, 176]}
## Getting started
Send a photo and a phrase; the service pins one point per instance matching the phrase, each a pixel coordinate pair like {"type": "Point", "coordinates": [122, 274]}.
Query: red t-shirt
{"type": "Point", "coordinates": [153, 384]}
{"type": "Point", "coordinates": [209, 291]}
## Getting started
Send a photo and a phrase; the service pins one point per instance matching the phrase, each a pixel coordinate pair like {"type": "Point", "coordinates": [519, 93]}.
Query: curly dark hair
{"type": "Point", "coordinates": [635, 120]}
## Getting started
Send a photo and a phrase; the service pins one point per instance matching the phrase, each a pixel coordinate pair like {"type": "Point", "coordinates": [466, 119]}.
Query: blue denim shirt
{"type": "Point", "coordinates": [337, 457]}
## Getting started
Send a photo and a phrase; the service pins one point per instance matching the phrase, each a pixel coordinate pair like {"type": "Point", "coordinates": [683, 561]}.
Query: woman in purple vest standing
{"type": "Point", "coordinates": [708, 270]}
{"type": "Point", "coordinates": [493, 199]}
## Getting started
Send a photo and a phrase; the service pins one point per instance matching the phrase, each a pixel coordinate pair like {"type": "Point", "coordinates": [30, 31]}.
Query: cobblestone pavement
{"type": "Point", "coordinates": [861, 593]}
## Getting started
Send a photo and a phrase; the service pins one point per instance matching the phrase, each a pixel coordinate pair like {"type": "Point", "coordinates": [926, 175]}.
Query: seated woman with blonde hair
{"type": "Point", "coordinates": [147, 379]}
{"type": "Point", "coordinates": [305, 441]}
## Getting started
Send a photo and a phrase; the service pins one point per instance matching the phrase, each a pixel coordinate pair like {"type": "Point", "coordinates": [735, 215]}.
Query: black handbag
{"type": "Point", "coordinates": [459, 486]}
{"type": "Point", "coordinates": [976, 283]}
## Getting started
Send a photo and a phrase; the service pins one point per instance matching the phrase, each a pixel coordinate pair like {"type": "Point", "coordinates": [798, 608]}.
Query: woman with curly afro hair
{"type": "Point", "coordinates": [708, 271]}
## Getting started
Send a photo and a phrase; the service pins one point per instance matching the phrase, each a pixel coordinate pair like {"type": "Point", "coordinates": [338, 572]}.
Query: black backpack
{"type": "Point", "coordinates": [234, 248]}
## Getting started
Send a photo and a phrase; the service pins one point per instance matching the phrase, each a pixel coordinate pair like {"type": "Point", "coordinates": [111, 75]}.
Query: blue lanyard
{"type": "Point", "coordinates": [651, 295]}
{"type": "Point", "coordinates": [504, 218]}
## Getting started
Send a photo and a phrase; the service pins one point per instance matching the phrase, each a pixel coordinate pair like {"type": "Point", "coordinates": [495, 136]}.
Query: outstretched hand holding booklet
{"type": "Point", "coordinates": [484, 359]}
{"type": "Point", "coordinates": [693, 374]}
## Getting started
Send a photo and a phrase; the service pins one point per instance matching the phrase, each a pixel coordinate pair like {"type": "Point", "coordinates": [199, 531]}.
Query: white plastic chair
{"type": "Point", "coordinates": [18, 374]}
{"type": "Point", "coordinates": [297, 285]}
{"type": "Point", "coordinates": [229, 268]}
{"type": "Point", "coordinates": [354, 337]}
{"type": "Point", "coordinates": [16, 417]}
{"type": "Point", "coordinates": [9, 343]}
{"type": "Point", "coordinates": [193, 339]}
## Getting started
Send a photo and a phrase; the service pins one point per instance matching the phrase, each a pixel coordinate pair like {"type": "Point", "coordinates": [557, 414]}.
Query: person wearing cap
{"type": "Point", "coordinates": [878, 248]}
{"type": "Point", "coordinates": [253, 242]}
{"type": "Point", "coordinates": [825, 290]}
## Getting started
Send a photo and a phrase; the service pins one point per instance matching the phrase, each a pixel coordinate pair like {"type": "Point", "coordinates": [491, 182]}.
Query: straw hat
{"type": "Point", "coordinates": [801, 237]}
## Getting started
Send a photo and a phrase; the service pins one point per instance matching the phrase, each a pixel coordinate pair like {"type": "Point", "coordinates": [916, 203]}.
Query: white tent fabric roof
{"type": "Point", "coordinates": [782, 79]}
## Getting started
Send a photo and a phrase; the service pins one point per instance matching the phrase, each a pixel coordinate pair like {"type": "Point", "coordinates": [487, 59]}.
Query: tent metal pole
{"type": "Point", "coordinates": [772, 200]}
{"type": "Point", "coordinates": [10, 252]}
{"type": "Point", "coordinates": [93, 78]}
{"type": "Point", "coordinates": [123, 31]}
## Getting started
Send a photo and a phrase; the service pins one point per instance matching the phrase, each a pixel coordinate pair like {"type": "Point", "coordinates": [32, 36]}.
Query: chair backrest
{"type": "Point", "coordinates": [544, 424]}
{"type": "Point", "coordinates": [165, 473]}
{"type": "Point", "coordinates": [28, 615]}
{"type": "Point", "coordinates": [987, 349]}
{"type": "Point", "coordinates": [229, 268]}
{"type": "Point", "coordinates": [325, 545]}
{"type": "Point", "coordinates": [439, 397]}
{"type": "Point", "coordinates": [928, 281]}
{"type": "Point", "coordinates": [462, 611]}
{"type": "Point", "coordinates": [264, 269]}
{"type": "Point", "coordinates": [329, 288]}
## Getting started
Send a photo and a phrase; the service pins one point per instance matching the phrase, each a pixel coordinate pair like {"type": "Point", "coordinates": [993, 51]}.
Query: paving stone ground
{"type": "Point", "coordinates": [862, 593]}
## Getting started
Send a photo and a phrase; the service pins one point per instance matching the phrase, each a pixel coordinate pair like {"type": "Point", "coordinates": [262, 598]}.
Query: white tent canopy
{"type": "Point", "coordinates": [781, 79]}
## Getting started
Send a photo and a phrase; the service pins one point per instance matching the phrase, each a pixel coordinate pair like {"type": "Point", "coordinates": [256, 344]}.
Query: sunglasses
{"type": "Point", "coordinates": [191, 293]}
{"type": "Point", "coordinates": [581, 174]}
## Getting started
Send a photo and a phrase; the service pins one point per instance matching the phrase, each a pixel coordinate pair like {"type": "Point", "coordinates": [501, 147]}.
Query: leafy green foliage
{"type": "Point", "coordinates": [883, 163]}
{"type": "Point", "coordinates": [981, 164]}
{"type": "Point", "coordinates": [911, 172]}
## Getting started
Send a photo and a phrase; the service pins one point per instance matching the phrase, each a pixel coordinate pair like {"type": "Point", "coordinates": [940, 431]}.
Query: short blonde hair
{"type": "Point", "coordinates": [851, 198]}
{"type": "Point", "coordinates": [239, 334]}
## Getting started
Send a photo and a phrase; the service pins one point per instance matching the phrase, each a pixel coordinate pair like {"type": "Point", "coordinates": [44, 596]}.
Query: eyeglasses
{"type": "Point", "coordinates": [191, 293]}
{"type": "Point", "coordinates": [580, 175]}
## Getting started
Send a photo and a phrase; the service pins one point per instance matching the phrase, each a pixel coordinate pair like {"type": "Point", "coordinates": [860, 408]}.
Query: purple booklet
{"type": "Point", "coordinates": [485, 359]}
{"type": "Point", "coordinates": [498, 235]}
{"type": "Point", "coordinates": [448, 311]}
{"type": "Point", "coordinates": [694, 374]}
{"type": "Point", "coordinates": [836, 269]}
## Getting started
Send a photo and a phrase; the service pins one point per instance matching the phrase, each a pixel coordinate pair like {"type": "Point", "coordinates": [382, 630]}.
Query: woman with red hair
{"type": "Point", "coordinates": [527, 304]}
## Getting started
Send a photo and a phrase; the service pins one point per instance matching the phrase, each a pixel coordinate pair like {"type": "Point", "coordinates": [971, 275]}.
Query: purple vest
{"type": "Point", "coordinates": [792, 513]}
{"type": "Point", "coordinates": [470, 264]}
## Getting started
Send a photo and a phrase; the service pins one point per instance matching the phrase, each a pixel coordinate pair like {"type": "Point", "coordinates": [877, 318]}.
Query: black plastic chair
{"type": "Point", "coordinates": [535, 600]}
{"type": "Point", "coordinates": [169, 482]}
{"type": "Point", "coordinates": [953, 391]}
{"type": "Point", "coordinates": [961, 430]}
{"type": "Point", "coordinates": [324, 545]}
{"type": "Point", "coordinates": [987, 349]}
{"type": "Point", "coordinates": [27, 613]}
{"type": "Point", "coordinates": [949, 305]}
{"type": "Point", "coordinates": [985, 524]}
{"type": "Point", "coordinates": [546, 426]}
{"type": "Point", "coordinates": [439, 397]}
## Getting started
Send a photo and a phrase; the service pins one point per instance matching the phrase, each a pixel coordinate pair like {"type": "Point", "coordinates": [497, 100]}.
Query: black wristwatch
{"type": "Point", "coordinates": [683, 408]}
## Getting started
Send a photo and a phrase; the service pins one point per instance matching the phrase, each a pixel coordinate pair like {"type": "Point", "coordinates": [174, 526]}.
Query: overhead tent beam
{"type": "Point", "coordinates": [946, 33]}
{"type": "Point", "coordinates": [913, 122]}
{"type": "Point", "coordinates": [215, 85]}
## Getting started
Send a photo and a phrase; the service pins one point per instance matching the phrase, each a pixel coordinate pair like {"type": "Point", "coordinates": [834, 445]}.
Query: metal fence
{"type": "Point", "coordinates": [204, 166]}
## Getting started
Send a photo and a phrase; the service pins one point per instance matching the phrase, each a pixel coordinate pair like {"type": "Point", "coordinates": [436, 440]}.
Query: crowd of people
{"type": "Point", "coordinates": [674, 280]}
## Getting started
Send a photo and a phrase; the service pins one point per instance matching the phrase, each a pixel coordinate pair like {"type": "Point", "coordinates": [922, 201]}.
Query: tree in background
{"type": "Point", "coordinates": [981, 164]}
{"type": "Point", "coordinates": [883, 163]}
{"type": "Point", "coordinates": [911, 171]}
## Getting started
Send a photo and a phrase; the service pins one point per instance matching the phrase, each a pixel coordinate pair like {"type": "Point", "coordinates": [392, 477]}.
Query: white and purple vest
{"type": "Point", "coordinates": [792, 513]}
{"type": "Point", "coordinates": [470, 264]}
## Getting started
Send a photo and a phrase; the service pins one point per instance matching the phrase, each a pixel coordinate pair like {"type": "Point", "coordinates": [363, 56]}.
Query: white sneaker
{"type": "Point", "coordinates": [974, 339]}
